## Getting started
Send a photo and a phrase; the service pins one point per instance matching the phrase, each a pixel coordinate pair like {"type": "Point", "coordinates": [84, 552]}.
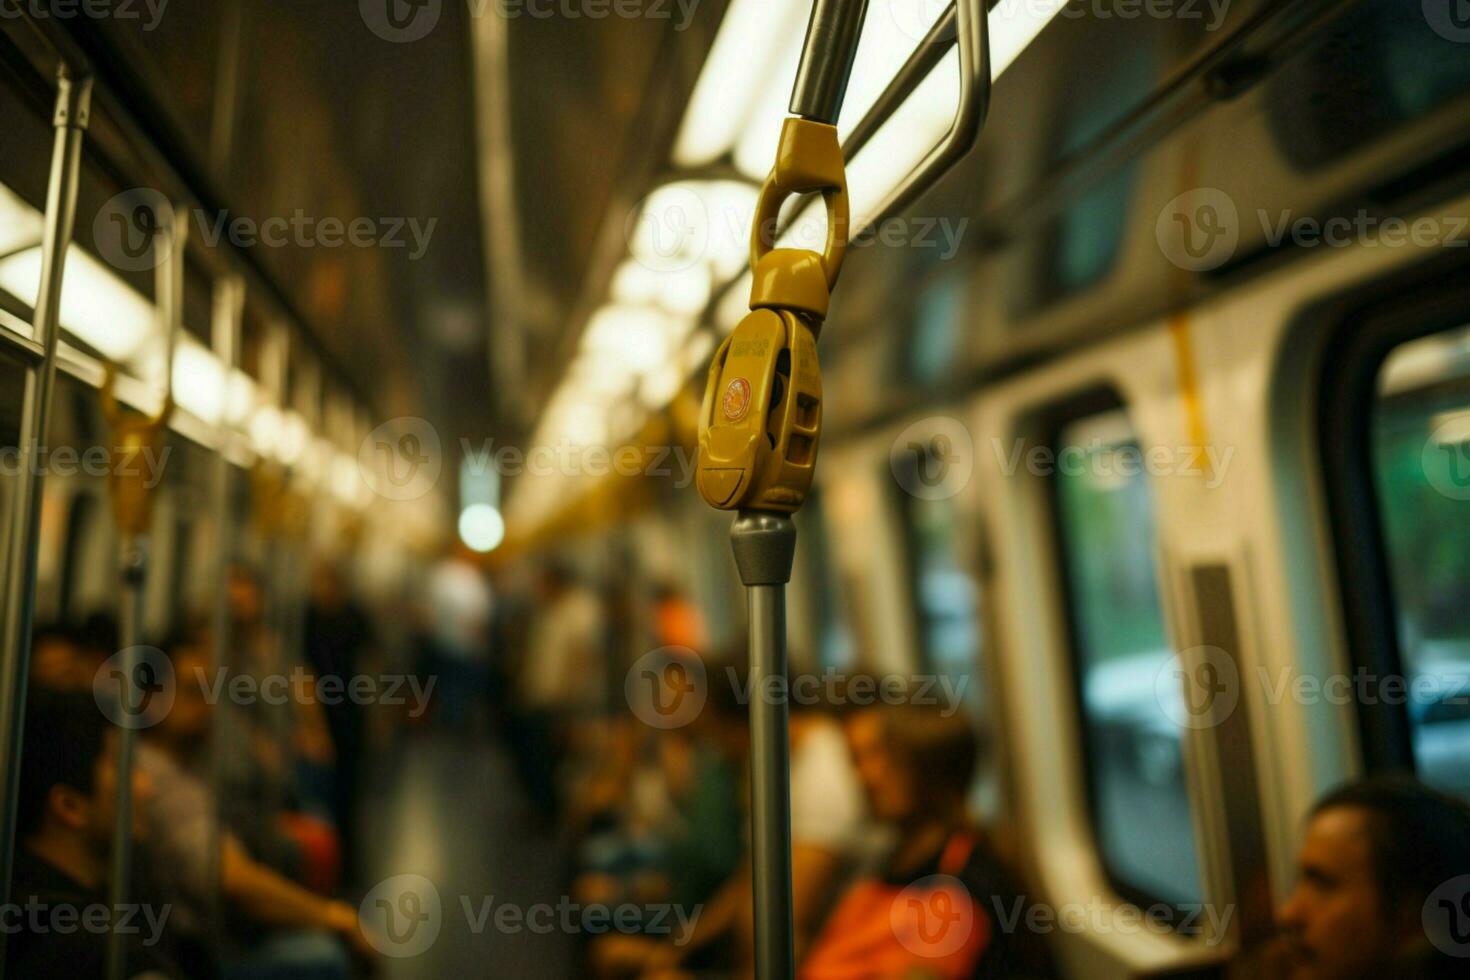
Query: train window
{"type": "Point", "coordinates": [945, 597]}
{"type": "Point", "coordinates": [1139, 797]}
{"type": "Point", "coordinates": [1420, 427]}
{"type": "Point", "coordinates": [1385, 64]}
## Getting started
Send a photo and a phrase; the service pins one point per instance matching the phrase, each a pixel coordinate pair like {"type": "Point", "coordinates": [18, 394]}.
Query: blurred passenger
{"type": "Point", "coordinates": [1375, 855]}
{"type": "Point", "coordinates": [677, 621]}
{"type": "Point", "coordinates": [288, 929]}
{"type": "Point", "coordinates": [338, 637]}
{"type": "Point", "coordinates": [559, 683]}
{"type": "Point", "coordinates": [931, 910]}
{"type": "Point", "coordinates": [829, 829]}
{"type": "Point", "coordinates": [56, 661]}
{"type": "Point", "coordinates": [460, 610]}
{"type": "Point", "coordinates": [68, 785]}
{"type": "Point", "coordinates": [679, 836]}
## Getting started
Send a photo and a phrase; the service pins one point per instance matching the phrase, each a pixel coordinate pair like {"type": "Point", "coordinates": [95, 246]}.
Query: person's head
{"type": "Point", "coordinates": [247, 605]}
{"type": "Point", "coordinates": [556, 577]}
{"type": "Point", "coordinates": [187, 720]}
{"type": "Point", "coordinates": [58, 661]}
{"type": "Point", "coordinates": [915, 762]}
{"type": "Point", "coordinates": [68, 772]}
{"type": "Point", "coordinates": [1373, 853]}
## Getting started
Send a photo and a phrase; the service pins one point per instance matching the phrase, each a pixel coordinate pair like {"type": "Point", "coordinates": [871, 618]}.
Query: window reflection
{"type": "Point", "coordinates": [1140, 799]}
{"type": "Point", "coordinates": [1421, 461]}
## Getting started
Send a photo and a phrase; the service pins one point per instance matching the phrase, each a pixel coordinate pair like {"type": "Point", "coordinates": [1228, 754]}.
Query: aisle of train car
{"type": "Point", "coordinates": [447, 808]}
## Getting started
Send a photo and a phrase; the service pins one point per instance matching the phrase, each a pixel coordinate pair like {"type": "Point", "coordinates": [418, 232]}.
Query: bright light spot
{"type": "Point", "coordinates": [481, 528]}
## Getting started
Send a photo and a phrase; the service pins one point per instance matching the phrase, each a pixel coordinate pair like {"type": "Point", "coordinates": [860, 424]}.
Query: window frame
{"type": "Point", "coordinates": [1369, 324]}
{"type": "Point", "coordinates": [1098, 399]}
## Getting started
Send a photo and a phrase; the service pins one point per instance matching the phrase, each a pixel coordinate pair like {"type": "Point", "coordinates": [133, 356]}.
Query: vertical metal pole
{"type": "Point", "coordinates": [134, 570]}
{"type": "Point", "coordinates": [765, 546]}
{"type": "Point", "coordinates": [228, 308]}
{"type": "Point", "coordinates": [73, 101]}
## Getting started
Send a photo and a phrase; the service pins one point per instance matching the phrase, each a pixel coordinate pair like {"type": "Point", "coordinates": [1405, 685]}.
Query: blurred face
{"type": "Point", "coordinates": [92, 815]}
{"type": "Point", "coordinates": [1335, 923]}
{"type": "Point", "coordinates": [245, 604]}
{"type": "Point", "coordinates": [189, 716]}
{"type": "Point", "coordinates": [58, 665]}
{"type": "Point", "coordinates": [889, 785]}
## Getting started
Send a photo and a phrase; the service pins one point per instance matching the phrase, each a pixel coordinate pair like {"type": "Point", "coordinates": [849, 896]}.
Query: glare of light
{"type": "Point", "coordinates": [199, 381]}
{"type": "Point", "coordinates": [347, 481]}
{"type": "Point", "coordinates": [295, 436]}
{"type": "Point", "coordinates": [265, 429]}
{"type": "Point", "coordinates": [481, 528]}
{"type": "Point", "coordinates": [692, 223]}
{"type": "Point", "coordinates": [890, 34]}
{"type": "Point", "coordinates": [660, 387]}
{"type": "Point", "coordinates": [684, 291]}
{"type": "Point", "coordinates": [630, 339]}
{"type": "Point", "coordinates": [756, 150]}
{"type": "Point", "coordinates": [96, 306]}
{"type": "Point", "coordinates": [1450, 428]}
{"type": "Point", "coordinates": [20, 224]}
{"type": "Point", "coordinates": [239, 396]}
{"type": "Point", "coordinates": [737, 76]}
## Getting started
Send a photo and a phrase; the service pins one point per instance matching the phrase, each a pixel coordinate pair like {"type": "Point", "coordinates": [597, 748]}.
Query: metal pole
{"type": "Point", "coordinates": [134, 573]}
{"type": "Point", "coordinates": [228, 309]}
{"type": "Point", "coordinates": [832, 37]}
{"type": "Point", "coordinates": [765, 546]}
{"type": "Point", "coordinates": [73, 101]}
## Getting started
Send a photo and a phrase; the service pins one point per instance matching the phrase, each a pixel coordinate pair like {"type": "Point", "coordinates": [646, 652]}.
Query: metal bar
{"type": "Point", "coordinates": [966, 24]}
{"type": "Point", "coordinates": [70, 120]}
{"type": "Point", "coordinates": [832, 37]}
{"type": "Point", "coordinates": [134, 569]}
{"type": "Point", "coordinates": [765, 546]}
{"type": "Point", "coordinates": [770, 778]}
{"type": "Point", "coordinates": [228, 309]}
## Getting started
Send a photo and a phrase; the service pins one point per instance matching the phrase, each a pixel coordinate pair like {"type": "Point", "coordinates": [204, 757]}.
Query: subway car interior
{"type": "Point", "coordinates": [684, 489]}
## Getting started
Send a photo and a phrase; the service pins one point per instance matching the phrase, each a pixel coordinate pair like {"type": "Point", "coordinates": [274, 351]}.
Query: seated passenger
{"type": "Point", "coordinates": [176, 818]}
{"type": "Point", "coordinates": [68, 781]}
{"type": "Point", "coordinates": [932, 910]}
{"type": "Point", "coordinates": [268, 909]}
{"type": "Point", "coordinates": [828, 831]}
{"type": "Point", "coordinates": [1376, 855]}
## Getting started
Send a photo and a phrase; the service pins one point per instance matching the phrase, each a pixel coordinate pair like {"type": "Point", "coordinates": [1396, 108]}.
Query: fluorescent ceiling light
{"type": "Point", "coordinates": [723, 115]}
{"type": "Point", "coordinates": [199, 381]}
{"type": "Point", "coordinates": [748, 52]}
{"type": "Point", "coordinates": [97, 307]}
{"type": "Point", "coordinates": [20, 224]}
